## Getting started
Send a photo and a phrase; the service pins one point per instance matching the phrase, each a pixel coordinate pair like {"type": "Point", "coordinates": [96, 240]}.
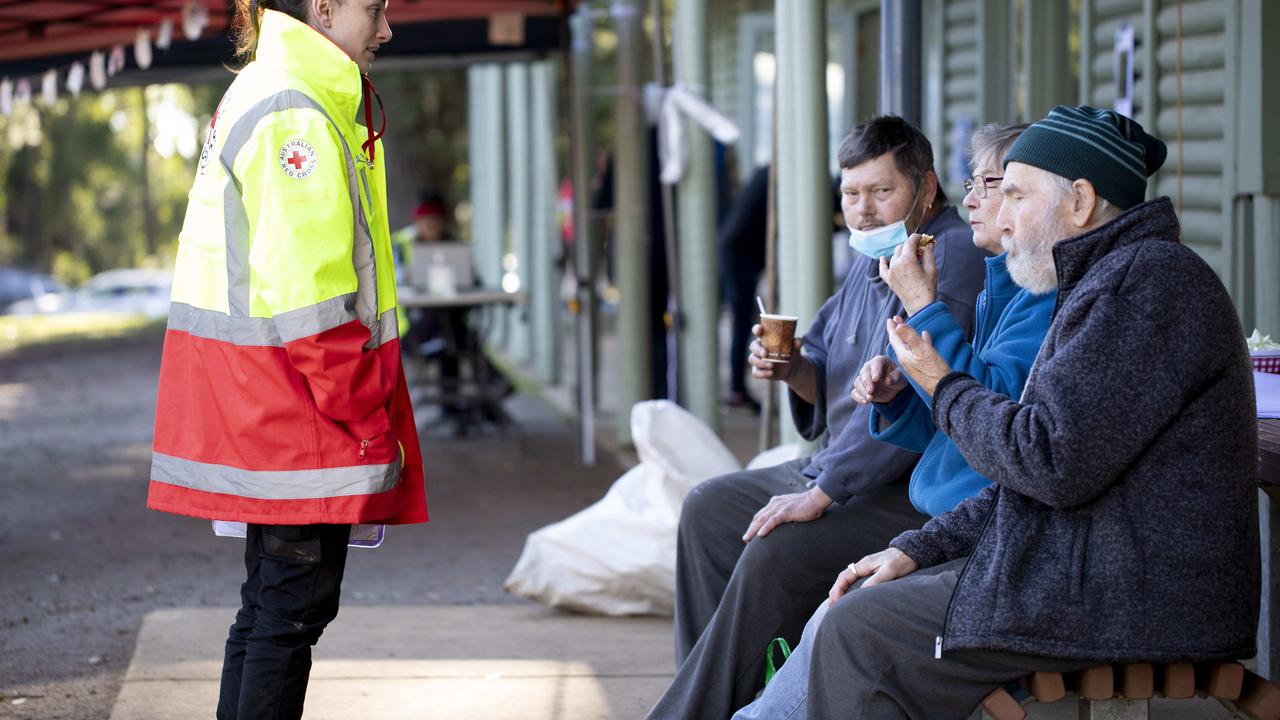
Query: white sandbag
{"type": "Point", "coordinates": [669, 436]}
{"type": "Point", "coordinates": [682, 449]}
{"type": "Point", "coordinates": [617, 557]}
{"type": "Point", "coordinates": [777, 456]}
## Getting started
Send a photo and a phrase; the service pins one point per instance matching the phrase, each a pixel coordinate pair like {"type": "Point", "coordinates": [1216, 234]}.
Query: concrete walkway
{"type": "Point", "coordinates": [511, 662]}
{"type": "Point", "coordinates": [448, 663]}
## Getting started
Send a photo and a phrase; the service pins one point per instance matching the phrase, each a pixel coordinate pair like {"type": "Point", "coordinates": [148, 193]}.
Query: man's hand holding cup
{"type": "Point", "coordinates": [776, 348]}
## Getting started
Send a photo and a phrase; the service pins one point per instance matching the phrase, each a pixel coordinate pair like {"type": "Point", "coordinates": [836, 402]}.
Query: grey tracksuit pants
{"type": "Point", "coordinates": [873, 655]}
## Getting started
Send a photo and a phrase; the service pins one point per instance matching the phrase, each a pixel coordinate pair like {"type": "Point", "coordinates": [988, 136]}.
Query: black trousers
{"type": "Point", "coordinates": [733, 598]}
{"type": "Point", "coordinates": [289, 595]}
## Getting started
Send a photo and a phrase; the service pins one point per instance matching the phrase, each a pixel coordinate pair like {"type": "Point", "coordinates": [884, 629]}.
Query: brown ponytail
{"type": "Point", "coordinates": [248, 20]}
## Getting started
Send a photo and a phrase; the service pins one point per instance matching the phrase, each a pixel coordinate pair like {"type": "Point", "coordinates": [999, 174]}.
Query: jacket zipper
{"type": "Point", "coordinates": [364, 448]}
{"type": "Point", "coordinates": [364, 185]}
{"type": "Point", "coordinates": [982, 333]}
{"type": "Point", "coordinates": [946, 618]}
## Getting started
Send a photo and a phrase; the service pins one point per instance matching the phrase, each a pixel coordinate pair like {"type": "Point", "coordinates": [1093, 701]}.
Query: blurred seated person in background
{"type": "Point", "coordinates": [418, 247]}
{"type": "Point", "coordinates": [429, 332]}
{"type": "Point", "coordinates": [433, 265]}
{"type": "Point", "coordinates": [430, 226]}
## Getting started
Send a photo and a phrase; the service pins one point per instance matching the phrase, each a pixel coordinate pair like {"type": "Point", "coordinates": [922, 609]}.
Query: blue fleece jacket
{"type": "Point", "coordinates": [1011, 325]}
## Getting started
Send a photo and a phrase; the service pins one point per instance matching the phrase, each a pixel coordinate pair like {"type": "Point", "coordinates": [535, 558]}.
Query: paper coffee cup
{"type": "Point", "coordinates": [778, 336]}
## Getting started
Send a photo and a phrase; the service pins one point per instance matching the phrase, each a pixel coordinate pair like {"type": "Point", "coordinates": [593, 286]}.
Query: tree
{"type": "Point", "coordinates": [84, 192]}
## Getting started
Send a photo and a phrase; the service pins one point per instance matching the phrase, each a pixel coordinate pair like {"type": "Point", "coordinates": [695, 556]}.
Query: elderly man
{"type": "Point", "coordinates": [1122, 524]}
{"type": "Point", "coordinates": [757, 549]}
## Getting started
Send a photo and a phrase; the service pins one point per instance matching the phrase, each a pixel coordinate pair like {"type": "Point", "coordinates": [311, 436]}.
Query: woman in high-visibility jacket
{"type": "Point", "coordinates": [282, 402]}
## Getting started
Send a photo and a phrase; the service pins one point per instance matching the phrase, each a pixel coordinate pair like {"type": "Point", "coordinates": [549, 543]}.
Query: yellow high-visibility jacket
{"type": "Point", "coordinates": [282, 399]}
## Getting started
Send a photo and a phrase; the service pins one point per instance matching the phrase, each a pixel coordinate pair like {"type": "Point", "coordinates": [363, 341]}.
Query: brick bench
{"type": "Point", "coordinates": [1123, 692]}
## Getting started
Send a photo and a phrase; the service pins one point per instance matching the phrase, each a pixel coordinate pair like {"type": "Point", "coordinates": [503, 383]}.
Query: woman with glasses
{"type": "Point", "coordinates": [1011, 325]}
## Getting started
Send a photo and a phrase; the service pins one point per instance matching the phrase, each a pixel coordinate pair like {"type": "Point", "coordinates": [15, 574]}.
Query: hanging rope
{"type": "Point", "coordinates": [1177, 78]}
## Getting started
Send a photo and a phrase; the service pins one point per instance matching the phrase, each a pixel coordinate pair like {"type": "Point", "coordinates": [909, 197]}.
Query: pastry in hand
{"type": "Point", "coordinates": [924, 242]}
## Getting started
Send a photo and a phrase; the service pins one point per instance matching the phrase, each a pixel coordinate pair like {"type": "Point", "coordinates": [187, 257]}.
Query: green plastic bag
{"type": "Point", "coordinates": [769, 669]}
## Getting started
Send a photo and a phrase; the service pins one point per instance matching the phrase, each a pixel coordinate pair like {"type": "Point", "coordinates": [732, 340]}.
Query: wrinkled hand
{"type": "Point", "coordinates": [765, 370]}
{"type": "Point", "coordinates": [888, 564]}
{"type": "Point", "coordinates": [917, 355]}
{"type": "Point", "coordinates": [878, 381]}
{"type": "Point", "coordinates": [795, 507]}
{"type": "Point", "coordinates": [912, 275]}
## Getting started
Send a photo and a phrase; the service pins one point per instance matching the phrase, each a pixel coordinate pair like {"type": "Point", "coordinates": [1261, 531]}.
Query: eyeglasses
{"type": "Point", "coordinates": [978, 184]}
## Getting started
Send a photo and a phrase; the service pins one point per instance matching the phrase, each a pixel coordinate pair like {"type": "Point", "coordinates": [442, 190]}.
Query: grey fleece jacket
{"type": "Point", "coordinates": [1123, 523]}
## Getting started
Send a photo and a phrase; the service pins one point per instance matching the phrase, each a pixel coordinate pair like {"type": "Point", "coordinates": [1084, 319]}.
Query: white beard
{"type": "Point", "coordinates": [1035, 274]}
{"type": "Point", "coordinates": [1031, 267]}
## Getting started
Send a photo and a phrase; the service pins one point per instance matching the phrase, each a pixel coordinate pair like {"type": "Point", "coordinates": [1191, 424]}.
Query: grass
{"type": "Point", "coordinates": [21, 331]}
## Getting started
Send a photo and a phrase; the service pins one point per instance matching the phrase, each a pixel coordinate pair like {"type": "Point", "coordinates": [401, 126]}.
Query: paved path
{"type": "Point", "coordinates": [447, 663]}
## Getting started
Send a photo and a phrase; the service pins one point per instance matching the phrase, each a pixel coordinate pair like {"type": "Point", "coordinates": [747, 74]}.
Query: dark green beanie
{"type": "Point", "coordinates": [1102, 146]}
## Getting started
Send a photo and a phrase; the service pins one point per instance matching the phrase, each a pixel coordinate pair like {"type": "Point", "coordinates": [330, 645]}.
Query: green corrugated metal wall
{"type": "Point", "coordinates": [950, 39]}
{"type": "Point", "coordinates": [969, 79]}
{"type": "Point", "coordinates": [1205, 191]}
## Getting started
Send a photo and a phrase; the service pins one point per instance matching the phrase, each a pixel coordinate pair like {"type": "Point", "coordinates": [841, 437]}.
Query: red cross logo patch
{"type": "Point", "coordinates": [298, 159]}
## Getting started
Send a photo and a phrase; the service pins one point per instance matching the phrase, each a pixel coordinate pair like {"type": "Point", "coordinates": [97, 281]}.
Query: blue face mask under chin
{"type": "Point", "coordinates": [881, 242]}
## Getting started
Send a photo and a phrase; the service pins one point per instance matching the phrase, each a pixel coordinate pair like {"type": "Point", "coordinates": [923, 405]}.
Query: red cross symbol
{"type": "Point", "coordinates": [297, 160]}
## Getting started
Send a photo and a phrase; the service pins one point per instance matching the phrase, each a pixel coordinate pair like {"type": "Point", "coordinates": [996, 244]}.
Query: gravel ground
{"type": "Point", "coordinates": [82, 560]}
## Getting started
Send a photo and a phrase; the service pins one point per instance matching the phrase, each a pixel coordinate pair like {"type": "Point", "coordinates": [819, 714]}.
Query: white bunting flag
{"type": "Point", "coordinates": [49, 87]}
{"type": "Point", "coordinates": [164, 34]}
{"type": "Point", "coordinates": [75, 79]}
{"type": "Point", "coordinates": [97, 70]}
{"type": "Point", "coordinates": [142, 49]}
{"type": "Point", "coordinates": [115, 61]}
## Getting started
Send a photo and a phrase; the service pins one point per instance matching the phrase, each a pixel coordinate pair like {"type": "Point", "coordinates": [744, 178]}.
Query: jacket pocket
{"type": "Point", "coordinates": [1042, 570]}
{"type": "Point", "coordinates": [1079, 560]}
{"type": "Point", "coordinates": [294, 544]}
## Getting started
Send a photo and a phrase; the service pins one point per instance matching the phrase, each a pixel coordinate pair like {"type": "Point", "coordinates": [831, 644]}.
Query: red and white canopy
{"type": "Point", "coordinates": [33, 29]}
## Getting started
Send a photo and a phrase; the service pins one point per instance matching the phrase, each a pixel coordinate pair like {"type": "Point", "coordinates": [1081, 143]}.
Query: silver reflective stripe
{"type": "Point", "coordinates": [275, 484]}
{"type": "Point", "coordinates": [366, 304]}
{"type": "Point", "coordinates": [366, 274]}
{"type": "Point", "coordinates": [389, 327]}
{"type": "Point", "coordinates": [213, 325]}
{"type": "Point", "coordinates": [315, 319]}
{"type": "Point", "coordinates": [235, 225]}
{"type": "Point", "coordinates": [268, 332]}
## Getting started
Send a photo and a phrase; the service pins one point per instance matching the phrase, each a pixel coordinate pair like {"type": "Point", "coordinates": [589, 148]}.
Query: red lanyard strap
{"type": "Point", "coordinates": [369, 145]}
